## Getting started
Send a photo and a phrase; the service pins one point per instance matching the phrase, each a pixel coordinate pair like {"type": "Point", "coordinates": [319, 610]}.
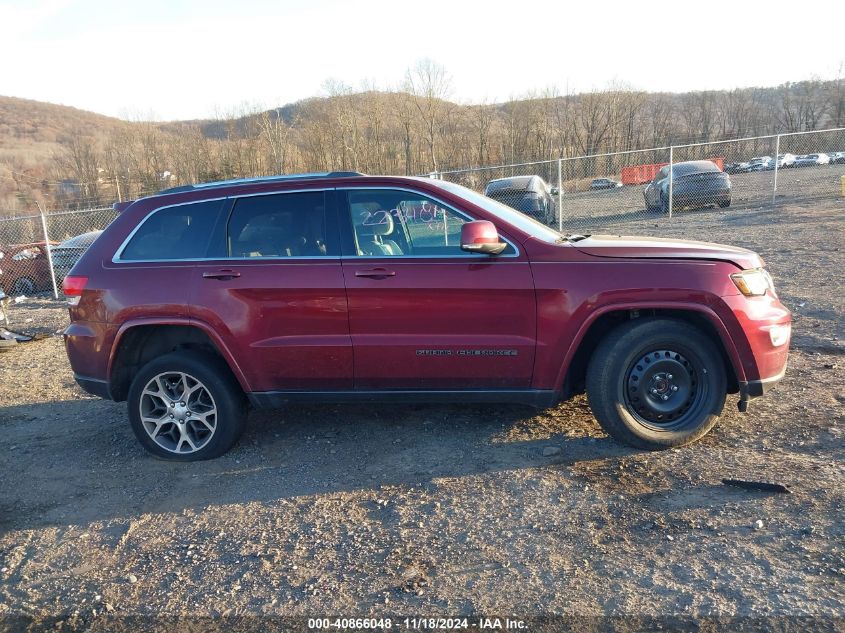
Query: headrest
{"type": "Point", "coordinates": [380, 223]}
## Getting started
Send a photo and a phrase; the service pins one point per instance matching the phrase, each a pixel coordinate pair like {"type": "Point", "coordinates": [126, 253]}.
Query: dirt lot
{"type": "Point", "coordinates": [449, 510]}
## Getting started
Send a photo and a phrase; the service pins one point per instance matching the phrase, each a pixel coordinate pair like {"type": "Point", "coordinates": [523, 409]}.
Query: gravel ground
{"type": "Point", "coordinates": [616, 209]}
{"type": "Point", "coordinates": [441, 510]}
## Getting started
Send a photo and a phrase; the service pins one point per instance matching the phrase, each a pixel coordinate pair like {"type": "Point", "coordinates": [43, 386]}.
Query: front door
{"type": "Point", "coordinates": [423, 314]}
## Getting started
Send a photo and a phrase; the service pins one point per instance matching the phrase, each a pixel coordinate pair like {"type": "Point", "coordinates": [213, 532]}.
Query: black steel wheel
{"type": "Point", "coordinates": [662, 387]}
{"type": "Point", "coordinates": [655, 383]}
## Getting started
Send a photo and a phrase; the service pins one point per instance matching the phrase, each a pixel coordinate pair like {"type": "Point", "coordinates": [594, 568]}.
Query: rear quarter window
{"type": "Point", "coordinates": [174, 233]}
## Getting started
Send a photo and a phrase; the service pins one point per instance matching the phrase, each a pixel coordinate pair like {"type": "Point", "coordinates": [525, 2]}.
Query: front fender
{"type": "Point", "coordinates": [712, 317]}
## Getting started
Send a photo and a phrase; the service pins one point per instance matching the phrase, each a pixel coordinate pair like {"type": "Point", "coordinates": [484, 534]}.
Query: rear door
{"type": "Point", "coordinates": [424, 314]}
{"type": "Point", "coordinates": [157, 261]}
{"type": "Point", "coordinates": [275, 293]}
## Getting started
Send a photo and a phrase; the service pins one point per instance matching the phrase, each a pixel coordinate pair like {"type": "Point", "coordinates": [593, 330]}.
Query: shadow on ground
{"type": "Point", "coordinates": [85, 463]}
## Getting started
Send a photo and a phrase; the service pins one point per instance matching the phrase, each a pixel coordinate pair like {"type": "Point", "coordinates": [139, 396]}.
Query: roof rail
{"type": "Point", "coordinates": [259, 180]}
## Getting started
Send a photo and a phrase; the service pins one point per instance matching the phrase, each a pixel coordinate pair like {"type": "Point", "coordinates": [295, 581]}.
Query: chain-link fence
{"type": "Point", "coordinates": [38, 251]}
{"type": "Point", "coordinates": [609, 191]}
{"type": "Point", "coordinates": [576, 194]}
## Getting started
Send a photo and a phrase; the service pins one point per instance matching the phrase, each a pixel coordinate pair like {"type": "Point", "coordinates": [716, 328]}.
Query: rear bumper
{"type": "Point", "coordinates": [94, 386]}
{"type": "Point", "coordinates": [692, 198]}
{"type": "Point", "coordinates": [87, 344]}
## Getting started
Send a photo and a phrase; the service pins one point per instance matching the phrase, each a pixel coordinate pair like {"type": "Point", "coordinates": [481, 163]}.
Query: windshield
{"type": "Point", "coordinates": [511, 216]}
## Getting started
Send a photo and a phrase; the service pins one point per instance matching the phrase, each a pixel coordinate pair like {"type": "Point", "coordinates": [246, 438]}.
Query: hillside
{"type": "Point", "coordinates": [67, 157]}
{"type": "Point", "coordinates": [31, 132]}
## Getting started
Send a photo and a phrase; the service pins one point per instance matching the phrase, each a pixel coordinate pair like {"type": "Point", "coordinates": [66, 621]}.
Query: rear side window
{"type": "Point", "coordinates": [279, 225]}
{"type": "Point", "coordinates": [173, 233]}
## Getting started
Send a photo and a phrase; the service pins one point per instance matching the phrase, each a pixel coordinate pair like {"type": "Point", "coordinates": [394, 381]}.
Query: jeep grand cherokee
{"type": "Point", "coordinates": [204, 300]}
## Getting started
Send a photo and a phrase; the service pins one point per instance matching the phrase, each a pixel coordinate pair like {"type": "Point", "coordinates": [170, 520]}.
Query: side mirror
{"type": "Point", "coordinates": [555, 191]}
{"type": "Point", "coordinates": [481, 237]}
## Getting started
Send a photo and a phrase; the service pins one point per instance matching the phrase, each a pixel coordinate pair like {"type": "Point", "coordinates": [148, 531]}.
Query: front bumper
{"type": "Point", "coordinates": [761, 332]}
{"type": "Point", "coordinates": [751, 389]}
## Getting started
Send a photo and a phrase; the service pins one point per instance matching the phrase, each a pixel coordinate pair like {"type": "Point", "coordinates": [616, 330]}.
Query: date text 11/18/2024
{"type": "Point", "coordinates": [417, 624]}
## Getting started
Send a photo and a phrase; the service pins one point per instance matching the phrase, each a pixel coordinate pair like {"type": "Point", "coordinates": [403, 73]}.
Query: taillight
{"type": "Point", "coordinates": [73, 286]}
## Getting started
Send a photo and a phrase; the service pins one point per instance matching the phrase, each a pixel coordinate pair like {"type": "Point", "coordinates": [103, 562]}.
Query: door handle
{"type": "Point", "coordinates": [221, 274]}
{"type": "Point", "coordinates": [375, 273]}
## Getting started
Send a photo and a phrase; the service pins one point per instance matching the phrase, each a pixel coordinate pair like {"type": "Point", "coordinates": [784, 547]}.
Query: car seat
{"type": "Point", "coordinates": [371, 236]}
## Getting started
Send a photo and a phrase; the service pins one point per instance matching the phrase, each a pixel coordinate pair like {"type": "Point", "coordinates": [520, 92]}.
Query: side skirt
{"type": "Point", "coordinates": [533, 397]}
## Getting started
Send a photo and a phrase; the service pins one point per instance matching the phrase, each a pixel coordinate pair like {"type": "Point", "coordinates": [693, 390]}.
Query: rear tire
{"type": "Point", "coordinates": [23, 286]}
{"type": "Point", "coordinates": [724, 204]}
{"type": "Point", "coordinates": [186, 406]}
{"type": "Point", "coordinates": [656, 383]}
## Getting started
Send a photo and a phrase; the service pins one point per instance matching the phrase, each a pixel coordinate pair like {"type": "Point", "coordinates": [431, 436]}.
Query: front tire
{"type": "Point", "coordinates": [186, 406]}
{"type": "Point", "coordinates": [724, 204]}
{"type": "Point", "coordinates": [656, 384]}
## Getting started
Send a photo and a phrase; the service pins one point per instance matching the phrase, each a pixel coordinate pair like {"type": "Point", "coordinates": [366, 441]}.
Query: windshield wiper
{"type": "Point", "coordinates": [573, 237]}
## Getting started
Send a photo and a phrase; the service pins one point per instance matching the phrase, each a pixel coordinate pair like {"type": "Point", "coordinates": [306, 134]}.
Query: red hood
{"type": "Point", "coordinates": [662, 248]}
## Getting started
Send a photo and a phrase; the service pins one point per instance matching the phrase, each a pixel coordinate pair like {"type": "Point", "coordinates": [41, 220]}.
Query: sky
{"type": "Point", "coordinates": [186, 59]}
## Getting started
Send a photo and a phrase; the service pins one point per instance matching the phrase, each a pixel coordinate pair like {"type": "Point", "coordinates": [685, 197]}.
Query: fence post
{"type": "Point", "coordinates": [560, 194]}
{"type": "Point", "coordinates": [49, 250]}
{"type": "Point", "coordinates": [777, 160]}
{"type": "Point", "coordinates": [671, 176]}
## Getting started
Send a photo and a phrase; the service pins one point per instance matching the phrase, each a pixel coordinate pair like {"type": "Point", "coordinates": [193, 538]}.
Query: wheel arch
{"type": "Point", "coordinates": [603, 320]}
{"type": "Point", "coordinates": [138, 342]}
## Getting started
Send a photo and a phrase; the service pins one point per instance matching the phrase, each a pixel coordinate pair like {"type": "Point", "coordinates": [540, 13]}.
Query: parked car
{"type": "Point", "coordinates": [697, 183]}
{"type": "Point", "coordinates": [66, 254]}
{"type": "Point", "coordinates": [24, 269]}
{"type": "Point", "coordinates": [809, 160]}
{"type": "Point", "coordinates": [604, 183]}
{"type": "Point", "coordinates": [784, 161]}
{"type": "Point", "coordinates": [759, 163]}
{"type": "Point", "coordinates": [529, 194]}
{"type": "Point", "coordinates": [203, 300]}
{"type": "Point", "coordinates": [738, 168]}
{"type": "Point", "coordinates": [837, 158]}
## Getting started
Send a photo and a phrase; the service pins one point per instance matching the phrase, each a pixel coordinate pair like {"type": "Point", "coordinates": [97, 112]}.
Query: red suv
{"type": "Point", "coordinates": [201, 301]}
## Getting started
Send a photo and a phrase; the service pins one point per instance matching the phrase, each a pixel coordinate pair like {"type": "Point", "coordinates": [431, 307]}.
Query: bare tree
{"type": "Point", "coordinates": [80, 158]}
{"type": "Point", "coordinates": [431, 85]}
{"type": "Point", "coordinates": [835, 92]}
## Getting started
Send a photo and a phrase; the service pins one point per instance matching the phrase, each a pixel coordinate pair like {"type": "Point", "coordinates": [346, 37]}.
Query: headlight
{"type": "Point", "coordinates": [753, 282]}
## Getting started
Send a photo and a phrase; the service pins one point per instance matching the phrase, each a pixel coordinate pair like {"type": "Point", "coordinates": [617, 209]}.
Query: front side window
{"type": "Point", "coordinates": [174, 233]}
{"type": "Point", "coordinates": [396, 223]}
{"type": "Point", "coordinates": [279, 225]}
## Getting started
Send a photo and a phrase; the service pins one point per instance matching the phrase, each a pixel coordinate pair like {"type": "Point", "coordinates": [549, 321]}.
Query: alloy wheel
{"type": "Point", "coordinates": [178, 412]}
